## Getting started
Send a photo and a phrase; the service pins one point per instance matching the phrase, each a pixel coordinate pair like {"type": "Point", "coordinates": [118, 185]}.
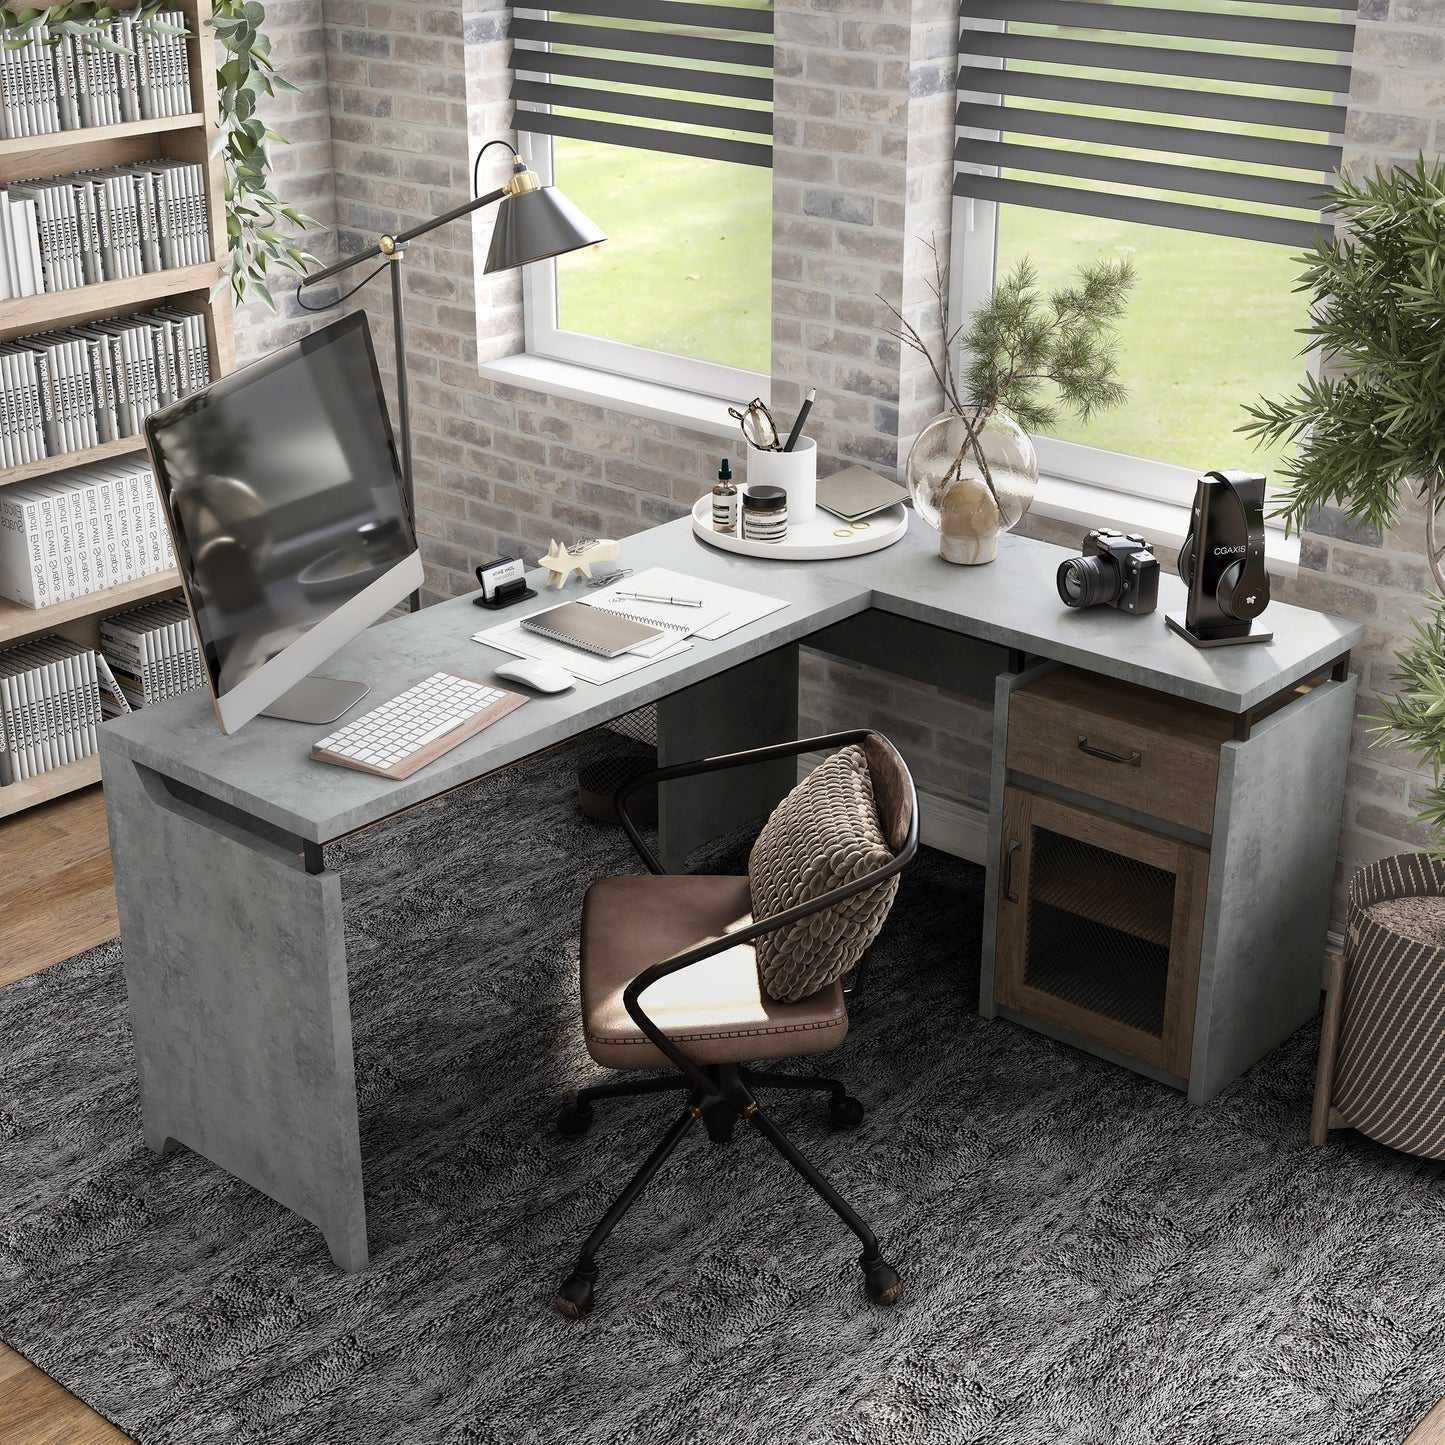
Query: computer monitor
{"type": "Point", "coordinates": [284, 497]}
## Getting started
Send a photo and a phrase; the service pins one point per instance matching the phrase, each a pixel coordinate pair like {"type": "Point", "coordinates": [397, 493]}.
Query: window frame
{"type": "Point", "coordinates": [972, 273]}
{"type": "Point", "coordinates": [544, 337]}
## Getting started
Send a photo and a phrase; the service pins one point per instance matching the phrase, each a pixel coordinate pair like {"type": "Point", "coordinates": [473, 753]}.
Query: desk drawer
{"type": "Point", "coordinates": [1140, 749]}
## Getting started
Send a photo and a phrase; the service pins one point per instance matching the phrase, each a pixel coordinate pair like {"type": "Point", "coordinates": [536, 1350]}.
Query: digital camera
{"type": "Point", "coordinates": [1115, 569]}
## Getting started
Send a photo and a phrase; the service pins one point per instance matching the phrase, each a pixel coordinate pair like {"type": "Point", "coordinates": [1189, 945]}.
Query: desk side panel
{"type": "Point", "coordinates": [1271, 877]}
{"type": "Point", "coordinates": [235, 969]}
{"type": "Point", "coordinates": [749, 706]}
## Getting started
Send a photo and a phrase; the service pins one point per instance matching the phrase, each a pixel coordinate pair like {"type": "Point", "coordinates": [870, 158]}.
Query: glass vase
{"type": "Point", "coordinates": [972, 491]}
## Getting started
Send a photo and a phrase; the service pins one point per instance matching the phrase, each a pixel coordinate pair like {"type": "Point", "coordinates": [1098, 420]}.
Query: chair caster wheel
{"type": "Point", "coordinates": [881, 1281]}
{"type": "Point", "coordinates": [575, 1297]}
{"type": "Point", "coordinates": [574, 1119]}
{"type": "Point", "coordinates": [845, 1113]}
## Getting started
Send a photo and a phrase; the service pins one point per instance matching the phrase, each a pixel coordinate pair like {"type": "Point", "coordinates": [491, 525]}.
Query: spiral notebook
{"type": "Point", "coordinates": [596, 629]}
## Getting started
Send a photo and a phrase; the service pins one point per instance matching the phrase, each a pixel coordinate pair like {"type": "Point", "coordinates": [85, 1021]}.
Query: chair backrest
{"type": "Point", "coordinates": [846, 819]}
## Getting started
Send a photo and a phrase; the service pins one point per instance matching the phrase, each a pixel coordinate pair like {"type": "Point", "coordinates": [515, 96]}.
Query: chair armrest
{"type": "Point", "coordinates": [632, 994]}
{"type": "Point", "coordinates": [715, 765]}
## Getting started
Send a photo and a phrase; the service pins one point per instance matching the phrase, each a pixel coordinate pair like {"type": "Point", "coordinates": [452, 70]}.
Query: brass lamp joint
{"type": "Point", "coordinates": [522, 179]}
{"type": "Point", "coordinates": [388, 248]}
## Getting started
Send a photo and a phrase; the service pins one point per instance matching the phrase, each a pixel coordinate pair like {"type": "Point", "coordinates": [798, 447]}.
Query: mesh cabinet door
{"type": "Point", "coordinates": [1099, 927]}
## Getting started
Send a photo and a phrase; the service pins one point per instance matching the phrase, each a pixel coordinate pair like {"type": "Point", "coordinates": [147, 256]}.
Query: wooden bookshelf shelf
{"type": "Point", "coordinates": [17, 622]}
{"type": "Point", "coordinates": [182, 137]}
{"type": "Point", "coordinates": [54, 784]}
{"type": "Point", "coordinates": [43, 468]}
{"type": "Point", "coordinates": [102, 298]}
{"type": "Point", "coordinates": [41, 150]}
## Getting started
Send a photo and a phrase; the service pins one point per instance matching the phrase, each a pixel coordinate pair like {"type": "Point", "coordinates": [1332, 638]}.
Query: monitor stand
{"type": "Point", "coordinates": [317, 700]}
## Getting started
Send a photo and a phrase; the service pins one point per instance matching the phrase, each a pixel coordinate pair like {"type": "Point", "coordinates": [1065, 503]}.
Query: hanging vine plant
{"type": "Point", "coordinates": [260, 227]}
{"type": "Point", "coordinates": [257, 220]}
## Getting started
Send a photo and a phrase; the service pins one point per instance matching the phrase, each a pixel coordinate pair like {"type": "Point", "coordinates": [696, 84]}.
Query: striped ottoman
{"type": "Point", "coordinates": [1382, 1049]}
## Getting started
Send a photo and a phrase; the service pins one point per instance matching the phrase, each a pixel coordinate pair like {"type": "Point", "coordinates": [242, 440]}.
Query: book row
{"type": "Point", "coordinates": [50, 706]}
{"type": "Point", "coordinates": [80, 531]}
{"type": "Point", "coordinates": [56, 81]}
{"type": "Point", "coordinates": [101, 226]}
{"type": "Point", "coordinates": [152, 652]}
{"type": "Point", "coordinates": [55, 693]}
{"type": "Point", "coordinates": [64, 391]}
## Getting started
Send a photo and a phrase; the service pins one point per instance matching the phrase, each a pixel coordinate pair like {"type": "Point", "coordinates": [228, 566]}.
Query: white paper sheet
{"type": "Point", "coordinates": [738, 606]}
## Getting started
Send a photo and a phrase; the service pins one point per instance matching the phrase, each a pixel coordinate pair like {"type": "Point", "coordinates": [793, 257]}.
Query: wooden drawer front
{"type": "Point", "coordinates": [1159, 758]}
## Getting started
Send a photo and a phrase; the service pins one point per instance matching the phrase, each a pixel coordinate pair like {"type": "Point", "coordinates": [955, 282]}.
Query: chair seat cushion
{"type": "Point", "coordinates": [716, 1009]}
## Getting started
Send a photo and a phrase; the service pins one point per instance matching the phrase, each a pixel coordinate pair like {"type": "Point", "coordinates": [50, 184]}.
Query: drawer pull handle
{"type": "Point", "coordinates": [1133, 760]}
{"type": "Point", "coordinates": [1008, 870]}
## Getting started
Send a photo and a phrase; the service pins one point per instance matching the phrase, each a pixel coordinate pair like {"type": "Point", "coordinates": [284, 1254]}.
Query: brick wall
{"type": "Point", "coordinates": [302, 170]}
{"type": "Point", "coordinates": [864, 130]}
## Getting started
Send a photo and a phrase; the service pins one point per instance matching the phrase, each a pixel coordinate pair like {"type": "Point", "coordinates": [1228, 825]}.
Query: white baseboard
{"type": "Point", "coordinates": [943, 823]}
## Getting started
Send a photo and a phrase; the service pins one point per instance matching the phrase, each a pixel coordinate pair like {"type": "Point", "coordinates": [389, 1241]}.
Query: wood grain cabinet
{"type": "Point", "coordinates": [1160, 871]}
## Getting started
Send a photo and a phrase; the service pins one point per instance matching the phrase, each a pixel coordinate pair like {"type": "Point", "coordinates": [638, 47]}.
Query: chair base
{"type": "Point", "coordinates": [729, 1099]}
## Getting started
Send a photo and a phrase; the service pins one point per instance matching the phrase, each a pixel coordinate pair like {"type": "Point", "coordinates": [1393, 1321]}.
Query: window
{"type": "Point", "coordinates": [655, 117]}
{"type": "Point", "coordinates": [1196, 137]}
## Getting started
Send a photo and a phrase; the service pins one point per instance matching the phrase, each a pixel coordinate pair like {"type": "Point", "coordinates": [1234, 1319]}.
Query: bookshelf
{"type": "Point", "coordinates": [183, 138]}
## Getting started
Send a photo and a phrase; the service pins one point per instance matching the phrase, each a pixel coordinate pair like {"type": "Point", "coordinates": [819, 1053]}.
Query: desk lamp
{"type": "Point", "coordinates": [534, 223]}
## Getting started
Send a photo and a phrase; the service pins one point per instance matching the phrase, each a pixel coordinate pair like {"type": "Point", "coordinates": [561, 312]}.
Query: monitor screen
{"type": "Point", "coordinates": [284, 495]}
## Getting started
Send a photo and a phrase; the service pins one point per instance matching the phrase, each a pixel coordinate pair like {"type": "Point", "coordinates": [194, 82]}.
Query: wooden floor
{"type": "Point", "coordinates": [57, 899]}
{"type": "Point", "coordinates": [1430, 1430]}
{"type": "Point", "coordinates": [34, 1410]}
{"type": "Point", "coordinates": [56, 894]}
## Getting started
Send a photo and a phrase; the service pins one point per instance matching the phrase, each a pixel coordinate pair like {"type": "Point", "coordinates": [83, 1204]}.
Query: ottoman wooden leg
{"type": "Point", "coordinates": [1321, 1121]}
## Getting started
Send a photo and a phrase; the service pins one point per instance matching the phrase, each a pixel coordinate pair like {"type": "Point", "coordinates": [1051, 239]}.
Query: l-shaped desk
{"type": "Point", "coordinates": [232, 923]}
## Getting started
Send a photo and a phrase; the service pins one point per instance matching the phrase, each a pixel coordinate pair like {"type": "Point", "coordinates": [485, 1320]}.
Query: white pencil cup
{"type": "Point", "coordinates": [796, 472]}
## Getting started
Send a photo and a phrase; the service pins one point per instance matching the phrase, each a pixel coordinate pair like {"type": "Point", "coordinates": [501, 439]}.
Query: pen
{"type": "Point", "coordinates": [803, 411]}
{"type": "Point", "coordinates": [648, 597]}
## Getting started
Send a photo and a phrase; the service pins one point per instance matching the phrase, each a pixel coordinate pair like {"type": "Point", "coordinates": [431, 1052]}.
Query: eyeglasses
{"type": "Point", "coordinates": [759, 428]}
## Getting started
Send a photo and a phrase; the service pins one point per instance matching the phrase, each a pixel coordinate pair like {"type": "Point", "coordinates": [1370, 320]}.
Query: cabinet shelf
{"type": "Point", "coordinates": [17, 622]}
{"type": "Point", "coordinates": [40, 150]}
{"type": "Point", "coordinates": [1092, 887]}
{"type": "Point", "coordinates": [46, 465]}
{"type": "Point", "coordinates": [55, 784]}
{"type": "Point", "coordinates": [56, 309]}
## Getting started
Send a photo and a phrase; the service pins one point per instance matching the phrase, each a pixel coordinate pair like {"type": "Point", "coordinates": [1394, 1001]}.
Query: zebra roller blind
{"type": "Point", "coordinates": [663, 75]}
{"type": "Point", "coordinates": [1221, 116]}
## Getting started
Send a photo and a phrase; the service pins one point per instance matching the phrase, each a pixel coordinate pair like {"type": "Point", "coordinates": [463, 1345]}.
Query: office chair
{"type": "Point", "coordinates": [824, 872]}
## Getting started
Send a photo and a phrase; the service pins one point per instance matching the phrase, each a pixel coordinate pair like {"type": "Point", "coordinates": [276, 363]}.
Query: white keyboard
{"type": "Point", "coordinates": [416, 726]}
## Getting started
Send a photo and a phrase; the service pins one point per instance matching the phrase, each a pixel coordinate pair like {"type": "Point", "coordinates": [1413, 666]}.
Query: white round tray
{"type": "Point", "coordinates": [809, 541]}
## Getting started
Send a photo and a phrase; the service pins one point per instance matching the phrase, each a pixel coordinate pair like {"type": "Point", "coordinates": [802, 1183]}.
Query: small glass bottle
{"type": "Point", "coordinates": [725, 500]}
{"type": "Point", "coordinates": [765, 514]}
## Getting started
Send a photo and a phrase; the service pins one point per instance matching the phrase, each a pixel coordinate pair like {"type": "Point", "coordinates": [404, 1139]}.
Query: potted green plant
{"type": "Point", "coordinates": [972, 470]}
{"type": "Point", "coordinates": [1371, 436]}
{"type": "Point", "coordinates": [1371, 429]}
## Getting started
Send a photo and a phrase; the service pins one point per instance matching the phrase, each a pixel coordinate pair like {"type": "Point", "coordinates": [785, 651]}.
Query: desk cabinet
{"type": "Point", "coordinates": [1161, 872]}
{"type": "Point", "coordinates": [1099, 927]}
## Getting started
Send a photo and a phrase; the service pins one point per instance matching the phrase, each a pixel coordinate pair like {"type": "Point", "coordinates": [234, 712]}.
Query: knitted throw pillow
{"type": "Point", "coordinates": [823, 834]}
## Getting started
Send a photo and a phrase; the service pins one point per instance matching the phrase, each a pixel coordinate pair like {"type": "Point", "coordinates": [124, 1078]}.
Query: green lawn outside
{"type": "Point", "coordinates": [687, 266]}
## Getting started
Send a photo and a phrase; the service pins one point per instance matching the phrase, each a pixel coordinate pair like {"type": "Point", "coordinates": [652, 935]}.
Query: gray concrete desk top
{"type": "Point", "coordinates": [264, 770]}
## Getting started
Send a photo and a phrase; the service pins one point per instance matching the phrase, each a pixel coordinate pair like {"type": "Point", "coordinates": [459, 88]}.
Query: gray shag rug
{"type": "Point", "coordinates": [1087, 1259]}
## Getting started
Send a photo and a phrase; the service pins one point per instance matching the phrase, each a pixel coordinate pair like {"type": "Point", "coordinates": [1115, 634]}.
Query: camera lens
{"type": "Point", "coordinates": [1088, 581]}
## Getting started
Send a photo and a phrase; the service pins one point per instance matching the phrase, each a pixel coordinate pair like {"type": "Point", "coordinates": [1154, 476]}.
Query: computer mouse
{"type": "Point", "coordinates": [533, 672]}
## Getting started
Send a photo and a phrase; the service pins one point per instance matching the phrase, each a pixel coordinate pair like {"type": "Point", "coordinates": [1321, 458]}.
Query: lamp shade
{"type": "Point", "coordinates": [535, 224]}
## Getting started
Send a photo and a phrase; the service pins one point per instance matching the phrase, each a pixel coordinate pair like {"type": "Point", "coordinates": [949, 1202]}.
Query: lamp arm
{"type": "Point", "coordinates": [452, 215]}
{"type": "Point", "coordinates": [347, 262]}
